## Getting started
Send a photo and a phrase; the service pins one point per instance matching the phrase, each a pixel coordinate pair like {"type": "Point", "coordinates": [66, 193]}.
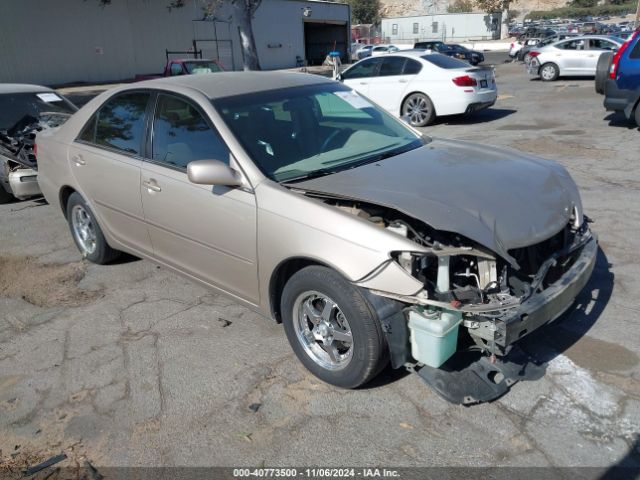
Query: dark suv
{"type": "Point", "coordinates": [451, 50]}
{"type": "Point", "coordinates": [622, 88]}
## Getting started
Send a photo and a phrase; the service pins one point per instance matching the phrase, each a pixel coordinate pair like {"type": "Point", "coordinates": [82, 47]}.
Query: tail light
{"type": "Point", "coordinates": [512, 45]}
{"type": "Point", "coordinates": [465, 81]}
{"type": "Point", "coordinates": [534, 54]}
{"type": "Point", "coordinates": [613, 71]}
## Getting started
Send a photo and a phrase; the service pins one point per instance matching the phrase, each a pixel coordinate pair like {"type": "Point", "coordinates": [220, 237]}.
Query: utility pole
{"type": "Point", "coordinates": [637, 24]}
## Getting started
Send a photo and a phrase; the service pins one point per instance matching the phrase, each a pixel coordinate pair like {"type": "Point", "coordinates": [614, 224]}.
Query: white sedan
{"type": "Point", "coordinates": [575, 56]}
{"type": "Point", "coordinates": [419, 86]}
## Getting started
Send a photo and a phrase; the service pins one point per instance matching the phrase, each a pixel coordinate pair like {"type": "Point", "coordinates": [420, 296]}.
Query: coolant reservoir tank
{"type": "Point", "coordinates": [434, 335]}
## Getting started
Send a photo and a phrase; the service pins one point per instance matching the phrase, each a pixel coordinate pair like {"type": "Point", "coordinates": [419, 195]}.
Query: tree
{"type": "Point", "coordinates": [497, 6]}
{"type": "Point", "coordinates": [365, 11]}
{"type": "Point", "coordinates": [243, 12]}
{"type": "Point", "coordinates": [460, 6]}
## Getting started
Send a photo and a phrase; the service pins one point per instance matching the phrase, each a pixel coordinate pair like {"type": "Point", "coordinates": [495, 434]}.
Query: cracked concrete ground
{"type": "Point", "coordinates": [131, 365]}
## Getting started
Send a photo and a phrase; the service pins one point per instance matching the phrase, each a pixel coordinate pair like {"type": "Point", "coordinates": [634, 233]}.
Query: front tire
{"type": "Point", "coordinates": [549, 72]}
{"type": "Point", "coordinates": [86, 232]}
{"type": "Point", "coordinates": [331, 328]}
{"type": "Point", "coordinates": [419, 109]}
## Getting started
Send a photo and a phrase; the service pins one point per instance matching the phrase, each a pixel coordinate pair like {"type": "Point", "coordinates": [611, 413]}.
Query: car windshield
{"type": "Point", "coordinates": [202, 67]}
{"type": "Point", "coordinates": [14, 107]}
{"type": "Point", "coordinates": [303, 132]}
{"type": "Point", "coordinates": [443, 61]}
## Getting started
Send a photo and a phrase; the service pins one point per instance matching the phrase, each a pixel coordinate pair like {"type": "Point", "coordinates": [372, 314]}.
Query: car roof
{"type": "Point", "coordinates": [22, 88]}
{"type": "Point", "coordinates": [229, 84]}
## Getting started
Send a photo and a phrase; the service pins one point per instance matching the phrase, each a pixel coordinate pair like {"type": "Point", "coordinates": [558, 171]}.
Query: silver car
{"type": "Point", "coordinates": [576, 56]}
{"type": "Point", "coordinates": [299, 198]}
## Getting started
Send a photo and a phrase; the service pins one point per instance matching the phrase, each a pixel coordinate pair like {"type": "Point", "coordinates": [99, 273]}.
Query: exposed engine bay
{"type": "Point", "coordinates": [465, 284]}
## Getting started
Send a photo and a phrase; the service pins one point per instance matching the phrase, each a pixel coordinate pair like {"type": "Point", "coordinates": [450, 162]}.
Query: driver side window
{"type": "Point", "coordinates": [364, 69]}
{"type": "Point", "coordinates": [182, 135]}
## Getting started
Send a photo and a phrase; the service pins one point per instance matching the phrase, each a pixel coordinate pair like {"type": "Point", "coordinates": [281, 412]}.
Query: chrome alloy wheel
{"type": "Point", "coordinates": [417, 108]}
{"type": "Point", "coordinates": [83, 229]}
{"type": "Point", "coordinates": [322, 330]}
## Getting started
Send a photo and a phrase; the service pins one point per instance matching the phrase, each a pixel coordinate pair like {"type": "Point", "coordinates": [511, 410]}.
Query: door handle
{"type": "Point", "coordinates": [78, 160]}
{"type": "Point", "coordinates": [152, 185]}
{"type": "Point", "coordinates": [403, 80]}
{"type": "Point", "coordinates": [363, 83]}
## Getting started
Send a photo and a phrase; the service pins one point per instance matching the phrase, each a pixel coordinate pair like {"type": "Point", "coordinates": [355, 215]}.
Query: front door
{"type": "Point", "coordinates": [206, 232]}
{"type": "Point", "coordinates": [359, 76]}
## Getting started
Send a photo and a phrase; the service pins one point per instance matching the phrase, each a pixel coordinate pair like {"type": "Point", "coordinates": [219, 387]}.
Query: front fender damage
{"type": "Point", "coordinates": [485, 302]}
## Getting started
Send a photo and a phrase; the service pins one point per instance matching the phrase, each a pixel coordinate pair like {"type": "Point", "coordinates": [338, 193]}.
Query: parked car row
{"type": "Point", "coordinates": [397, 248]}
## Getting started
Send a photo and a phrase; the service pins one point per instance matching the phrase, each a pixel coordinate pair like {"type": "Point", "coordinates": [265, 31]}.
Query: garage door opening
{"type": "Point", "coordinates": [320, 38]}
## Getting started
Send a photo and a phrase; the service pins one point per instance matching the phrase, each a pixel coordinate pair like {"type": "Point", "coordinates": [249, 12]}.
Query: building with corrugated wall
{"type": "Point", "coordinates": [448, 27]}
{"type": "Point", "coordinates": [55, 42]}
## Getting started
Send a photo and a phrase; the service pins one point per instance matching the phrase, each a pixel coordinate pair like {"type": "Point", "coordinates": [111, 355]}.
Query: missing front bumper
{"type": "Point", "coordinates": [542, 307]}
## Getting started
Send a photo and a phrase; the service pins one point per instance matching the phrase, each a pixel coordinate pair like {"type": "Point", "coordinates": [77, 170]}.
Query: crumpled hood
{"type": "Point", "coordinates": [501, 199]}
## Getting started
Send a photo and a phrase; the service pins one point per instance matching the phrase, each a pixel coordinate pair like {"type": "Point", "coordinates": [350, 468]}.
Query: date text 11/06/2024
{"type": "Point", "coordinates": [315, 472]}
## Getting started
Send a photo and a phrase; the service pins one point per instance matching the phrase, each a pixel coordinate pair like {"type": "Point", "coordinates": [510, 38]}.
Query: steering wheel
{"type": "Point", "coordinates": [333, 137]}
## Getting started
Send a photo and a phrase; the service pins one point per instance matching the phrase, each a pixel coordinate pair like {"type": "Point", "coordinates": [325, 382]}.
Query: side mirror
{"type": "Point", "coordinates": [339, 77]}
{"type": "Point", "coordinates": [213, 172]}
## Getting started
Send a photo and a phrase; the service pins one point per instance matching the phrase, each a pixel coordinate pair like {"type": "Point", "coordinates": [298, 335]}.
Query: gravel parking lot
{"type": "Point", "coordinates": [130, 364]}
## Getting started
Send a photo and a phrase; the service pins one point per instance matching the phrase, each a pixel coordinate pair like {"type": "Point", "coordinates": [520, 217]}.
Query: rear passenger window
{"type": "Point", "coordinates": [121, 122]}
{"type": "Point", "coordinates": [412, 67]}
{"type": "Point", "coordinates": [635, 53]}
{"type": "Point", "coordinates": [391, 66]}
{"type": "Point", "coordinates": [182, 135]}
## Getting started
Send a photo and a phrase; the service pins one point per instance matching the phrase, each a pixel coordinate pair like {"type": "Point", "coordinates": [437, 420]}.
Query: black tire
{"type": "Point", "coordinates": [5, 197]}
{"type": "Point", "coordinates": [552, 68]}
{"type": "Point", "coordinates": [426, 114]}
{"type": "Point", "coordinates": [602, 71]}
{"type": "Point", "coordinates": [102, 253]}
{"type": "Point", "coordinates": [369, 353]}
{"type": "Point", "coordinates": [637, 115]}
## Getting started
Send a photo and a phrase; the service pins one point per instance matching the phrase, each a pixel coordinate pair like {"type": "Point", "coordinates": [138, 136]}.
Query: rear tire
{"type": "Point", "coordinates": [86, 232]}
{"type": "Point", "coordinates": [419, 110]}
{"type": "Point", "coordinates": [637, 115]}
{"type": "Point", "coordinates": [5, 197]}
{"type": "Point", "coordinates": [602, 71]}
{"type": "Point", "coordinates": [549, 72]}
{"type": "Point", "coordinates": [332, 328]}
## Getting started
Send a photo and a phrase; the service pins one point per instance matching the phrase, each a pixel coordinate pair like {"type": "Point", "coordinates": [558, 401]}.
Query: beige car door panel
{"type": "Point", "coordinates": [111, 184]}
{"type": "Point", "coordinates": [207, 232]}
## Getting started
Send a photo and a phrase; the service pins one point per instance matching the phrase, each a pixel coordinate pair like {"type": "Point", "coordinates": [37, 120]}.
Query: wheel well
{"type": "Point", "coordinates": [281, 276]}
{"type": "Point", "coordinates": [65, 193]}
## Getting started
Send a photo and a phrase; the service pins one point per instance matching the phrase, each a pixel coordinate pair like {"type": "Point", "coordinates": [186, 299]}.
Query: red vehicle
{"type": "Point", "coordinates": [184, 66]}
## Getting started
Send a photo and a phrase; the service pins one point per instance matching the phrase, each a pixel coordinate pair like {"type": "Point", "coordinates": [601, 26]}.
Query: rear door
{"type": "Point", "coordinates": [391, 84]}
{"type": "Point", "coordinates": [204, 231]}
{"type": "Point", "coordinates": [105, 160]}
{"type": "Point", "coordinates": [359, 76]}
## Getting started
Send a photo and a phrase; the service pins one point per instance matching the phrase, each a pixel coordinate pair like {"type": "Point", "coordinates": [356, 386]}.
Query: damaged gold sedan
{"type": "Point", "coordinates": [305, 201]}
